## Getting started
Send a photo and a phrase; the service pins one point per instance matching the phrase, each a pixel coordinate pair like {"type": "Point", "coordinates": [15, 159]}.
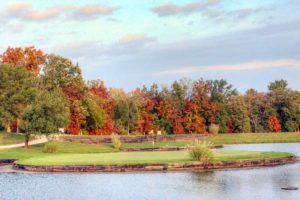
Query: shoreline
{"type": "Point", "coordinates": [238, 164]}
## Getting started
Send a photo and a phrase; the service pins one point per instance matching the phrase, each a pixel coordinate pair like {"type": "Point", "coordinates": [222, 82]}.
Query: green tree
{"type": "Point", "coordinates": [45, 115]}
{"type": "Point", "coordinates": [259, 110]}
{"type": "Point", "coordinates": [286, 104]}
{"type": "Point", "coordinates": [278, 84]}
{"type": "Point", "coordinates": [220, 92]}
{"type": "Point", "coordinates": [238, 114]}
{"type": "Point", "coordinates": [126, 113]}
{"type": "Point", "coordinates": [17, 89]}
{"type": "Point", "coordinates": [60, 72]}
{"type": "Point", "coordinates": [179, 92]}
{"type": "Point", "coordinates": [95, 113]}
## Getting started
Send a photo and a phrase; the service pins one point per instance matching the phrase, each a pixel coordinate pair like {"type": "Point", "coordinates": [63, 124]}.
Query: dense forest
{"type": "Point", "coordinates": [40, 93]}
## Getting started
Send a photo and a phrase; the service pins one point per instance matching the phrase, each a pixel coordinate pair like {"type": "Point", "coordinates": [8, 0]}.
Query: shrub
{"type": "Point", "coordinates": [116, 141]}
{"type": "Point", "coordinates": [214, 129]}
{"type": "Point", "coordinates": [50, 147]}
{"type": "Point", "coordinates": [201, 151]}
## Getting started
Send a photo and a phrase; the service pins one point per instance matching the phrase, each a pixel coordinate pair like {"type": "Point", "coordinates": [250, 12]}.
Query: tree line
{"type": "Point", "coordinates": [40, 93]}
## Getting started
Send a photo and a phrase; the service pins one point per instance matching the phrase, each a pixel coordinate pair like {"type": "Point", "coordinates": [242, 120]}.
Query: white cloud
{"type": "Point", "coordinates": [134, 37]}
{"type": "Point", "coordinates": [26, 11]}
{"type": "Point", "coordinates": [285, 63]}
{"type": "Point", "coordinates": [173, 9]}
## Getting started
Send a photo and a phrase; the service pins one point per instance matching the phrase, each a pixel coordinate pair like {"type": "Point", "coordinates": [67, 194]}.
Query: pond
{"type": "Point", "coordinates": [258, 183]}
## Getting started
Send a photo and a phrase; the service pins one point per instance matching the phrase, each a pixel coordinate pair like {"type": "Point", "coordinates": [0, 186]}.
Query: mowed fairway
{"type": "Point", "coordinates": [141, 158]}
{"type": "Point", "coordinates": [105, 154]}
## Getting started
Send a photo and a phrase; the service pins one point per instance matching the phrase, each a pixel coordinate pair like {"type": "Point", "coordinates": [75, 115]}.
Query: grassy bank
{"type": "Point", "coordinates": [247, 138]}
{"type": "Point", "coordinates": [72, 153]}
{"type": "Point", "coordinates": [141, 158]}
{"type": "Point", "coordinates": [62, 148]}
{"type": "Point", "coordinates": [241, 138]}
{"type": "Point", "coordinates": [10, 138]}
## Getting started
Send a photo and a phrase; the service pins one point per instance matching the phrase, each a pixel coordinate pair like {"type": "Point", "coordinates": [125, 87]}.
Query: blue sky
{"type": "Point", "coordinates": [129, 43]}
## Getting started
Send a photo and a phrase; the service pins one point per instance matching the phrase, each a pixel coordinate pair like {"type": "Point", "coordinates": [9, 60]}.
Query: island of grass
{"type": "Point", "coordinates": [73, 157]}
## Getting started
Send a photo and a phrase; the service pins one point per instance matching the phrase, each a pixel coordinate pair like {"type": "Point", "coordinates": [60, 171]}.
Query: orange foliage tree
{"type": "Point", "coordinates": [77, 113]}
{"type": "Point", "coordinates": [97, 88]}
{"type": "Point", "coordinates": [274, 123]}
{"type": "Point", "coordinates": [199, 111]}
{"type": "Point", "coordinates": [146, 122]}
{"type": "Point", "coordinates": [28, 57]}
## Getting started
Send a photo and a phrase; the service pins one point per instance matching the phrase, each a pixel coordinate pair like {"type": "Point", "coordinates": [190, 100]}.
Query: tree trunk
{"type": "Point", "coordinates": [128, 115]}
{"type": "Point", "coordinates": [26, 143]}
{"type": "Point", "coordinates": [8, 128]}
{"type": "Point", "coordinates": [18, 124]}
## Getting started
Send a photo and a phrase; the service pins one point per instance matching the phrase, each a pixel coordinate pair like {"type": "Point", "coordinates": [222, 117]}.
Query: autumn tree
{"type": "Point", "coordinates": [95, 113]}
{"type": "Point", "coordinates": [238, 121]}
{"type": "Point", "coordinates": [60, 72]}
{"type": "Point", "coordinates": [220, 93]}
{"type": "Point", "coordinates": [285, 104]}
{"type": "Point", "coordinates": [274, 123]}
{"type": "Point", "coordinates": [30, 58]}
{"type": "Point", "coordinates": [200, 112]}
{"type": "Point", "coordinates": [106, 103]}
{"type": "Point", "coordinates": [146, 114]}
{"type": "Point", "coordinates": [258, 110]}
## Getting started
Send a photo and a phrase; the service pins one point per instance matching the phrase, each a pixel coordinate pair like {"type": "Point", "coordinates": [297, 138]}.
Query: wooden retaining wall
{"type": "Point", "coordinates": [135, 139]}
{"type": "Point", "coordinates": [159, 167]}
{"type": "Point", "coordinates": [163, 149]}
{"type": "Point", "coordinates": [6, 162]}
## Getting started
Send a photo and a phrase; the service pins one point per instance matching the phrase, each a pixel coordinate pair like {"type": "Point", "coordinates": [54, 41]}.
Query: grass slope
{"type": "Point", "coordinates": [141, 158]}
{"type": "Point", "coordinates": [10, 138]}
{"type": "Point", "coordinates": [247, 138]}
{"type": "Point", "coordinates": [63, 148]}
{"type": "Point", "coordinates": [241, 138]}
{"type": "Point", "coordinates": [72, 153]}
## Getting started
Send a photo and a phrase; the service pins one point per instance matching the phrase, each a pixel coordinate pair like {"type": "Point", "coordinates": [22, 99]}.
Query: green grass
{"type": "Point", "coordinates": [73, 153]}
{"type": "Point", "coordinates": [141, 158]}
{"type": "Point", "coordinates": [63, 148]}
{"type": "Point", "coordinates": [242, 138]}
{"type": "Point", "coordinates": [247, 138]}
{"type": "Point", "coordinates": [10, 138]}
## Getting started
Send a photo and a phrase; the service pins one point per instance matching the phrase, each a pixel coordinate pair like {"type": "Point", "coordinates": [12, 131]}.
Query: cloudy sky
{"type": "Point", "coordinates": [128, 43]}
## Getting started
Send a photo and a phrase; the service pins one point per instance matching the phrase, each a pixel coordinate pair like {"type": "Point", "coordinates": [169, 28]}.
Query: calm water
{"type": "Point", "coordinates": [261, 183]}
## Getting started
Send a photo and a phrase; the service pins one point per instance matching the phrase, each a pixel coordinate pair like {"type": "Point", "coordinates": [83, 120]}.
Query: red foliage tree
{"type": "Point", "coordinates": [193, 122]}
{"type": "Point", "coordinates": [199, 111]}
{"type": "Point", "coordinates": [146, 122]}
{"type": "Point", "coordinates": [274, 123]}
{"type": "Point", "coordinates": [76, 119]}
{"type": "Point", "coordinates": [97, 88]}
{"type": "Point", "coordinates": [230, 127]}
{"type": "Point", "coordinates": [77, 116]}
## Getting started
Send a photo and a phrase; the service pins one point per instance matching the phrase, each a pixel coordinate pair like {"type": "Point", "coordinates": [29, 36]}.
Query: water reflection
{"type": "Point", "coordinates": [259, 183]}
